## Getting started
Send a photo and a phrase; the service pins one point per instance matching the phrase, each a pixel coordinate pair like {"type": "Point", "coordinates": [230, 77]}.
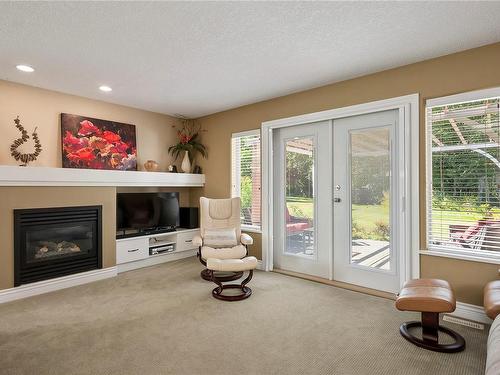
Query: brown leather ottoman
{"type": "Point", "coordinates": [430, 297]}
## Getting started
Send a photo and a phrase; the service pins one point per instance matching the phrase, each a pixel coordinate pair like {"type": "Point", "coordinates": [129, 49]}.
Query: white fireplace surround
{"type": "Point", "coordinates": [47, 176]}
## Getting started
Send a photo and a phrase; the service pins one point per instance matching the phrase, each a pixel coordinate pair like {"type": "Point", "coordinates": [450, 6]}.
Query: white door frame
{"type": "Point", "coordinates": [408, 107]}
{"type": "Point", "coordinates": [322, 154]}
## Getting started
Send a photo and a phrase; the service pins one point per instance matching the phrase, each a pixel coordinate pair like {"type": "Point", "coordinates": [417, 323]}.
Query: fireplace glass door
{"type": "Point", "coordinates": [54, 242]}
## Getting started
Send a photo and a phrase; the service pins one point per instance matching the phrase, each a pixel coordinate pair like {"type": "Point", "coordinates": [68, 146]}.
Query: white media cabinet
{"type": "Point", "coordinates": [134, 252]}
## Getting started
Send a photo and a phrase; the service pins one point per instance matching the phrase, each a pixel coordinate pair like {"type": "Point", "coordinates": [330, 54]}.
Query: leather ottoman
{"type": "Point", "coordinates": [429, 297]}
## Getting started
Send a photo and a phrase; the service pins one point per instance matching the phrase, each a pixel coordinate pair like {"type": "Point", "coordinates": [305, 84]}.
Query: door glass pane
{"type": "Point", "coordinates": [370, 198]}
{"type": "Point", "coordinates": [299, 195]}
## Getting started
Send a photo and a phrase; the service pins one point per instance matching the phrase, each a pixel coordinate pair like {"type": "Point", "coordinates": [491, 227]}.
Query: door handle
{"type": "Point", "coordinates": [336, 200]}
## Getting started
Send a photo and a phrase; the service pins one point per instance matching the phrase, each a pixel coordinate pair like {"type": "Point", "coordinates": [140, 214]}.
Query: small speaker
{"type": "Point", "coordinates": [189, 217]}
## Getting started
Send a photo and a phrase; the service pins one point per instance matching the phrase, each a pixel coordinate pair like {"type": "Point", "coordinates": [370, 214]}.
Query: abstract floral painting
{"type": "Point", "coordinates": [97, 144]}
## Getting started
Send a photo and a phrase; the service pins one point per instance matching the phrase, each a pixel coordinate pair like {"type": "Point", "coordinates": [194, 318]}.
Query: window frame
{"type": "Point", "coordinates": [253, 132]}
{"type": "Point", "coordinates": [438, 250]}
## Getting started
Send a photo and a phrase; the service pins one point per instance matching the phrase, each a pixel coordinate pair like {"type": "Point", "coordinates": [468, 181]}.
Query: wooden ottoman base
{"type": "Point", "coordinates": [430, 334]}
{"type": "Point", "coordinates": [218, 291]}
{"type": "Point", "coordinates": [430, 297]}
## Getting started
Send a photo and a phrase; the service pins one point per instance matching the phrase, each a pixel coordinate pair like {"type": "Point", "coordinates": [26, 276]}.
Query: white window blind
{"type": "Point", "coordinates": [246, 176]}
{"type": "Point", "coordinates": [464, 177]}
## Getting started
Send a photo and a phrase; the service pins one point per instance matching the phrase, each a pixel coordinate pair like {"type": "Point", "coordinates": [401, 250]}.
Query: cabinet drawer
{"type": "Point", "coordinates": [185, 240]}
{"type": "Point", "coordinates": [130, 250]}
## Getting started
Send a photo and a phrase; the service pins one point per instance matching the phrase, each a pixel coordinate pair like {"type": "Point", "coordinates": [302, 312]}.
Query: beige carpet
{"type": "Point", "coordinates": [163, 320]}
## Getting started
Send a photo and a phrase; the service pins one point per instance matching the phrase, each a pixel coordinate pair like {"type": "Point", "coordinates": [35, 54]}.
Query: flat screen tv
{"type": "Point", "coordinates": [141, 213]}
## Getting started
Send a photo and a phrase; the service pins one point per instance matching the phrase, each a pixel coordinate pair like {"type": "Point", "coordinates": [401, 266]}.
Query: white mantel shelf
{"type": "Point", "coordinates": [45, 176]}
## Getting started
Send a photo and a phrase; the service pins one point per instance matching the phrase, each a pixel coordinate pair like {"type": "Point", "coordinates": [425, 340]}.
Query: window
{"type": "Point", "coordinates": [245, 176]}
{"type": "Point", "coordinates": [464, 174]}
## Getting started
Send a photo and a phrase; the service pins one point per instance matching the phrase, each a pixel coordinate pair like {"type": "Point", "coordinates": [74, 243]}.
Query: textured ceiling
{"type": "Point", "coordinates": [197, 58]}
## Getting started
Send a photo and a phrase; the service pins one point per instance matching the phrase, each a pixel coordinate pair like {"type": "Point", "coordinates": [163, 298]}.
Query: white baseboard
{"type": "Point", "coordinates": [471, 312]}
{"type": "Point", "coordinates": [156, 259]}
{"type": "Point", "coordinates": [51, 285]}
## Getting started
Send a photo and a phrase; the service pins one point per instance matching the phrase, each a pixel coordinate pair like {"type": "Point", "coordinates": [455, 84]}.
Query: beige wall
{"type": "Point", "coordinates": [42, 108]}
{"type": "Point", "coordinates": [184, 193]}
{"type": "Point", "coordinates": [464, 71]}
{"type": "Point", "coordinates": [467, 278]}
{"type": "Point", "coordinates": [42, 197]}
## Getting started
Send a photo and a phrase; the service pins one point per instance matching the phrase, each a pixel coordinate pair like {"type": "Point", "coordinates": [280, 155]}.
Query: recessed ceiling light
{"type": "Point", "coordinates": [105, 88]}
{"type": "Point", "coordinates": [25, 68]}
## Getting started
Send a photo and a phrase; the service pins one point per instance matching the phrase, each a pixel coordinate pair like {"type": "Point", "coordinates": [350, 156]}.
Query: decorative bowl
{"type": "Point", "coordinates": [151, 166]}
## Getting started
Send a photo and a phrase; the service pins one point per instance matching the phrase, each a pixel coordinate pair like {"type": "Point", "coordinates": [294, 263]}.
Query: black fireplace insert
{"type": "Point", "coordinates": [54, 242]}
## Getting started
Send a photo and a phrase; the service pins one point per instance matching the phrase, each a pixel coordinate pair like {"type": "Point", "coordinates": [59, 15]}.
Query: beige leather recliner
{"type": "Point", "coordinates": [221, 215]}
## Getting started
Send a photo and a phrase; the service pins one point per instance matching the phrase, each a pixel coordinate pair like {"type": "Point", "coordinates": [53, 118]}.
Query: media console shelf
{"type": "Point", "coordinates": [138, 252]}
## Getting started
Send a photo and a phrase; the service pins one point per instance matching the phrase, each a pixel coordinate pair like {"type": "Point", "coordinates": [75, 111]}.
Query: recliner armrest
{"type": "Point", "coordinates": [246, 239]}
{"type": "Point", "coordinates": [197, 241]}
{"type": "Point", "coordinates": [492, 299]}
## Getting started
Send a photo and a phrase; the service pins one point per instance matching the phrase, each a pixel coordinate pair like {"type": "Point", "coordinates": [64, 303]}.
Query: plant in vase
{"type": "Point", "coordinates": [188, 145]}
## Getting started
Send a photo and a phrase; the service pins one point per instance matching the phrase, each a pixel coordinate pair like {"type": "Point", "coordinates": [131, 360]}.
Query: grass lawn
{"type": "Point", "coordinates": [300, 207]}
{"type": "Point", "coordinates": [365, 216]}
{"type": "Point", "coordinates": [442, 218]}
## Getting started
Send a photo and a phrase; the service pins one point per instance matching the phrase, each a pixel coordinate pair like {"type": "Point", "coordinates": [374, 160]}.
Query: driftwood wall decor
{"type": "Point", "coordinates": [25, 158]}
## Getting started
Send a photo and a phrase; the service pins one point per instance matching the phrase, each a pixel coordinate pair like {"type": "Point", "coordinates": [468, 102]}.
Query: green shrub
{"type": "Point", "coordinates": [359, 232]}
{"type": "Point", "coordinates": [246, 192]}
{"type": "Point", "coordinates": [382, 231]}
{"type": "Point", "coordinates": [462, 203]}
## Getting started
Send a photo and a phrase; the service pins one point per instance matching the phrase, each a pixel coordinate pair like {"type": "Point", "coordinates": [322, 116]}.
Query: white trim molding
{"type": "Point", "coordinates": [408, 107]}
{"type": "Point", "coordinates": [52, 285]}
{"type": "Point", "coordinates": [461, 256]}
{"type": "Point", "coordinates": [235, 181]}
{"type": "Point", "coordinates": [353, 110]}
{"type": "Point", "coordinates": [448, 250]}
{"type": "Point", "coordinates": [260, 265]}
{"type": "Point", "coordinates": [246, 133]}
{"type": "Point", "coordinates": [48, 176]}
{"type": "Point", "coordinates": [471, 312]}
{"type": "Point", "coordinates": [464, 97]}
{"type": "Point", "coordinates": [250, 229]}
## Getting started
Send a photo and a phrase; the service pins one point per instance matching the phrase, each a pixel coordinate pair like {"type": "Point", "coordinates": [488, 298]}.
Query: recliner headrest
{"type": "Point", "coordinates": [220, 209]}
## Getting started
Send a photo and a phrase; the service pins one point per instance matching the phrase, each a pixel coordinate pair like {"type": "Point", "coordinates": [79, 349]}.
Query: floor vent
{"type": "Point", "coordinates": [463, 322]}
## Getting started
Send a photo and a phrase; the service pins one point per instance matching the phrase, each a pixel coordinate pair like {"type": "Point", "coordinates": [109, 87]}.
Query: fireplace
{"type": "Point", "coordinates": [54, 242]}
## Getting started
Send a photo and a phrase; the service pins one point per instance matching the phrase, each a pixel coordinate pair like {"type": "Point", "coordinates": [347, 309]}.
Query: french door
{"type": "Point", "coordinates": [366, 221]}
{"type": "Point", "coordinates": [302, 197]}
{"type": "Point", "coordinates": [336, 201]}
